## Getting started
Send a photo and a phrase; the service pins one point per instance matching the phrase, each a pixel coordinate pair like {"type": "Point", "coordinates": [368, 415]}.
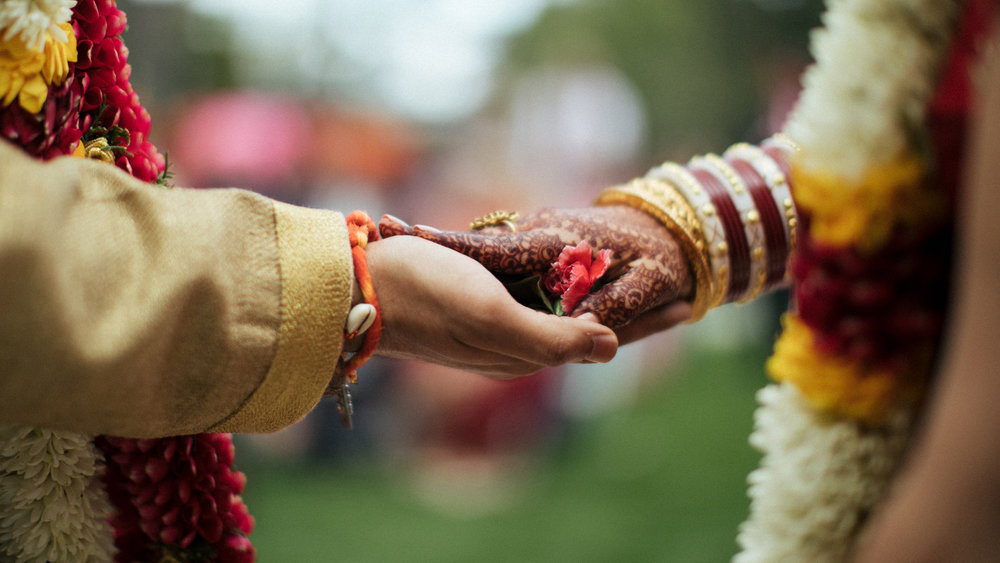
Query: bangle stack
{"type": "Point", "coordinates": [732, 215]}
{"type": "Point", "coordinates": [364, 318]}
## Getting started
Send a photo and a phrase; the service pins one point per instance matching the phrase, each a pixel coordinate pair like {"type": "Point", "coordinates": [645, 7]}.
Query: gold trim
{"type": "Point", "coordinates": [316, 278]}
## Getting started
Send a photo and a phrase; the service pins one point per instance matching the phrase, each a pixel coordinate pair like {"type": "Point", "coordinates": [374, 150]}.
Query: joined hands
{"type": "Point", "coordinates": [649, 279]}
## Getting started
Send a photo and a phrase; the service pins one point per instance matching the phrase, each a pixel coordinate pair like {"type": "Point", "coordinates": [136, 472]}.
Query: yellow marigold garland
{"type": "Point", "coordinates": [834, 384]}
{"type": "Point", "coordinates": [26, 73]}
{"type": "Point", "coordinates": [865, 214]}
{"type": "Point", "coordinates": [861, 217]}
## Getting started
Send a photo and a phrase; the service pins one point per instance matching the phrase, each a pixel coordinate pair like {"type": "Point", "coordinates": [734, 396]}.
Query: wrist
{"type": "Point", "coordinates": [363, 325]}
{"type": "Point", "coordinates": [731, 215]}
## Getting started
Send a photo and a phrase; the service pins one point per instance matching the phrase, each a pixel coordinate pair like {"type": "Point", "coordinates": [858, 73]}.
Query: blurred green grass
{"type": "Point", "coordinates": [661, 480]}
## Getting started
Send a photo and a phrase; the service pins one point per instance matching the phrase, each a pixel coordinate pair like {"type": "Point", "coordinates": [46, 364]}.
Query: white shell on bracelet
{"type": "Point", "coordinates": [359, 319]}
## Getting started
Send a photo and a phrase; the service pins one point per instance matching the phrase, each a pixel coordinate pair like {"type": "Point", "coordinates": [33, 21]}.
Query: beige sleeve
{"type": "Point", "coordinates": [139, 310]}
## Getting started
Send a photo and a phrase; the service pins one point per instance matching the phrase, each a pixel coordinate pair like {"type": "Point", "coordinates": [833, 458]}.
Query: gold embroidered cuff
{"type": "Point", "coordinates": [662, 200]}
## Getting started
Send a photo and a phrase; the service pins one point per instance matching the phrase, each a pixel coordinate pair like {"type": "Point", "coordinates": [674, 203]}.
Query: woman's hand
{"type": "Point", "coordinates": [650, 278]}
{"type": "Point", "coordinates": [442, 307]}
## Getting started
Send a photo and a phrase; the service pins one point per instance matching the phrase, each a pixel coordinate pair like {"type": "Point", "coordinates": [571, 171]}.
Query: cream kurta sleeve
{"type": "Point", "coordinates": [144, 311]}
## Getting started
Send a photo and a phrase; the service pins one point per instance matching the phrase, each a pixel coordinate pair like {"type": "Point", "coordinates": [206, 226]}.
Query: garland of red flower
{"type": "Point", "coordinates": [102, 72]}
{"type": "Point", "coordinates": [177, 498]}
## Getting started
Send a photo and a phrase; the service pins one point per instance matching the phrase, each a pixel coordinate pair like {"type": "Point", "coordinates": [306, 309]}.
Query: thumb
{"type": "Point", "coordinates": [545, 339]}
{"type": "Point", "coordinates": [653, 321]}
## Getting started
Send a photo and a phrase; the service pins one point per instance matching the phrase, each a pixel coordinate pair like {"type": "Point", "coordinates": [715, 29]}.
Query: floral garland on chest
{"type": "Point", "coordinates": [879, 130]}
{"type": "Point", "coordinates": [65, 90]}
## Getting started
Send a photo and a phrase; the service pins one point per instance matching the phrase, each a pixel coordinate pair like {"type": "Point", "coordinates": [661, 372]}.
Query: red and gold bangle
{"type": "Point", "coordinates": [753, 228]}
{"type": "Point", "coordinates": [774, 172]}
{"type": "Point", "coordinates": [736, 240]}
{"type": "Point", "coordinates": [771, 222]}
{"type": "Point", "coordinates": [711, 225]}
{"type": "Point", "coordinates": [733, 216]}
{"type": "Point", "coordinates": [780, 148]}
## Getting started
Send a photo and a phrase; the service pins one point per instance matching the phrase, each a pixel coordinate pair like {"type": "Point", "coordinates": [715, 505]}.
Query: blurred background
{"type": "Point", "coordinates": [439, 111]}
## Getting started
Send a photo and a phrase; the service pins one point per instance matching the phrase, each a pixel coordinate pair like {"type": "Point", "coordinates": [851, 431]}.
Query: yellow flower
{"type": "Point", "coordinates": [25, 73]}
{"type": "Point", "coordinates": [864, 214]}
{"type": "Point", "coordinates": [837, 385]}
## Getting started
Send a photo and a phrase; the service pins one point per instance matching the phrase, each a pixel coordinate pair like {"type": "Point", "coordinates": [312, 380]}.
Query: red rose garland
{"type": "Point", "coordinates": [52, 132]}
{"type": "Point", "coordinates": [173, 495]}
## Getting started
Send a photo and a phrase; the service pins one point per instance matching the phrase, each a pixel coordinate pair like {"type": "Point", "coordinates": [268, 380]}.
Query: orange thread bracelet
{"type": "Point", "coordinates": [360, 229]}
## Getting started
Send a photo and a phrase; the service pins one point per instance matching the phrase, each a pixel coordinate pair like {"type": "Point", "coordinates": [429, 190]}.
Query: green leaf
{"type": "Point", "coordinates": [558, 309]}
{"type": "Point", "coordinates": [531, 293]}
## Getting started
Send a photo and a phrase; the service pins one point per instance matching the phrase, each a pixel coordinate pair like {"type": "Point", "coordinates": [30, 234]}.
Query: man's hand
{"type": "Point", "coordinates": [442, 307]}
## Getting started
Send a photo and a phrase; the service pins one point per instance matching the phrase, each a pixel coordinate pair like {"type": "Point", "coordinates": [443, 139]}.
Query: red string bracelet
{"type": "Point", "coordinates": [360, 229]}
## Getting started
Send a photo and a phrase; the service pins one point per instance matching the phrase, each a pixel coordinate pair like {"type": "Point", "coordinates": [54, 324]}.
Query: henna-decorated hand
{"type": "Point", "coordinates": [649, 278]}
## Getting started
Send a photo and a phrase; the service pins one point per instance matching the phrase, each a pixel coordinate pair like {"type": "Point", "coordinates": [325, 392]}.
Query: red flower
{"type": "Point", "coordinates": [55, 129]}
{"type": "Point", "coordinates": [108, 97]}
{"type": "Point", "coordinates": [177, 495]}
{"type": "Point", "coordinates": [573, 276]}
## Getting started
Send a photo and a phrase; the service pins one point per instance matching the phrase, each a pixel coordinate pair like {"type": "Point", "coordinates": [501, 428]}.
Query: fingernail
{"type": "Point", "coordinates": [605, 347]}
{"type": "Point", "coordinates": [396, 220]}
{"type": "Point", "coordinates": [426, 228]}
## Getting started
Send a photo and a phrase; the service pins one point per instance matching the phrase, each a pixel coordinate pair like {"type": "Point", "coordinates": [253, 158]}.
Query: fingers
{"type": "Point", "coordinates": [642, 287]}
{"type": "Point", "coordinates": [501, 253]}
{"type": "Point", "coordinates": [443, 307]}
{"type": "Point", "coordinates": [390, 226]}
{"type": "Point", "coordinates": [516, 342]}
{"type": "Point", "coordinates": [548, 340]}
{"type": "Point", "coordinates": [653, 321]}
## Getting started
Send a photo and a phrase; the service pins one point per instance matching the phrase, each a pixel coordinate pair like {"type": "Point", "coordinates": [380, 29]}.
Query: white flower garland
{"type": "Point", "coordinates": [819, 479]}
{"type": "Point", "coordinates": [821, 476]}
{"type": "Point", "coordinates": [31, 19]}
{"type": "Point", "coordinates": [868, 89]}
{"type": "Point", "coordinates": [52, 502]}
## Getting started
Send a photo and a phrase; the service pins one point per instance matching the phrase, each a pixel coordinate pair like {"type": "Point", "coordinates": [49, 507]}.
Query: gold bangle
{"type": "Point", "coordinates": [662, 200]}
{"type": "Point", "coordinates": [683, 182]}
